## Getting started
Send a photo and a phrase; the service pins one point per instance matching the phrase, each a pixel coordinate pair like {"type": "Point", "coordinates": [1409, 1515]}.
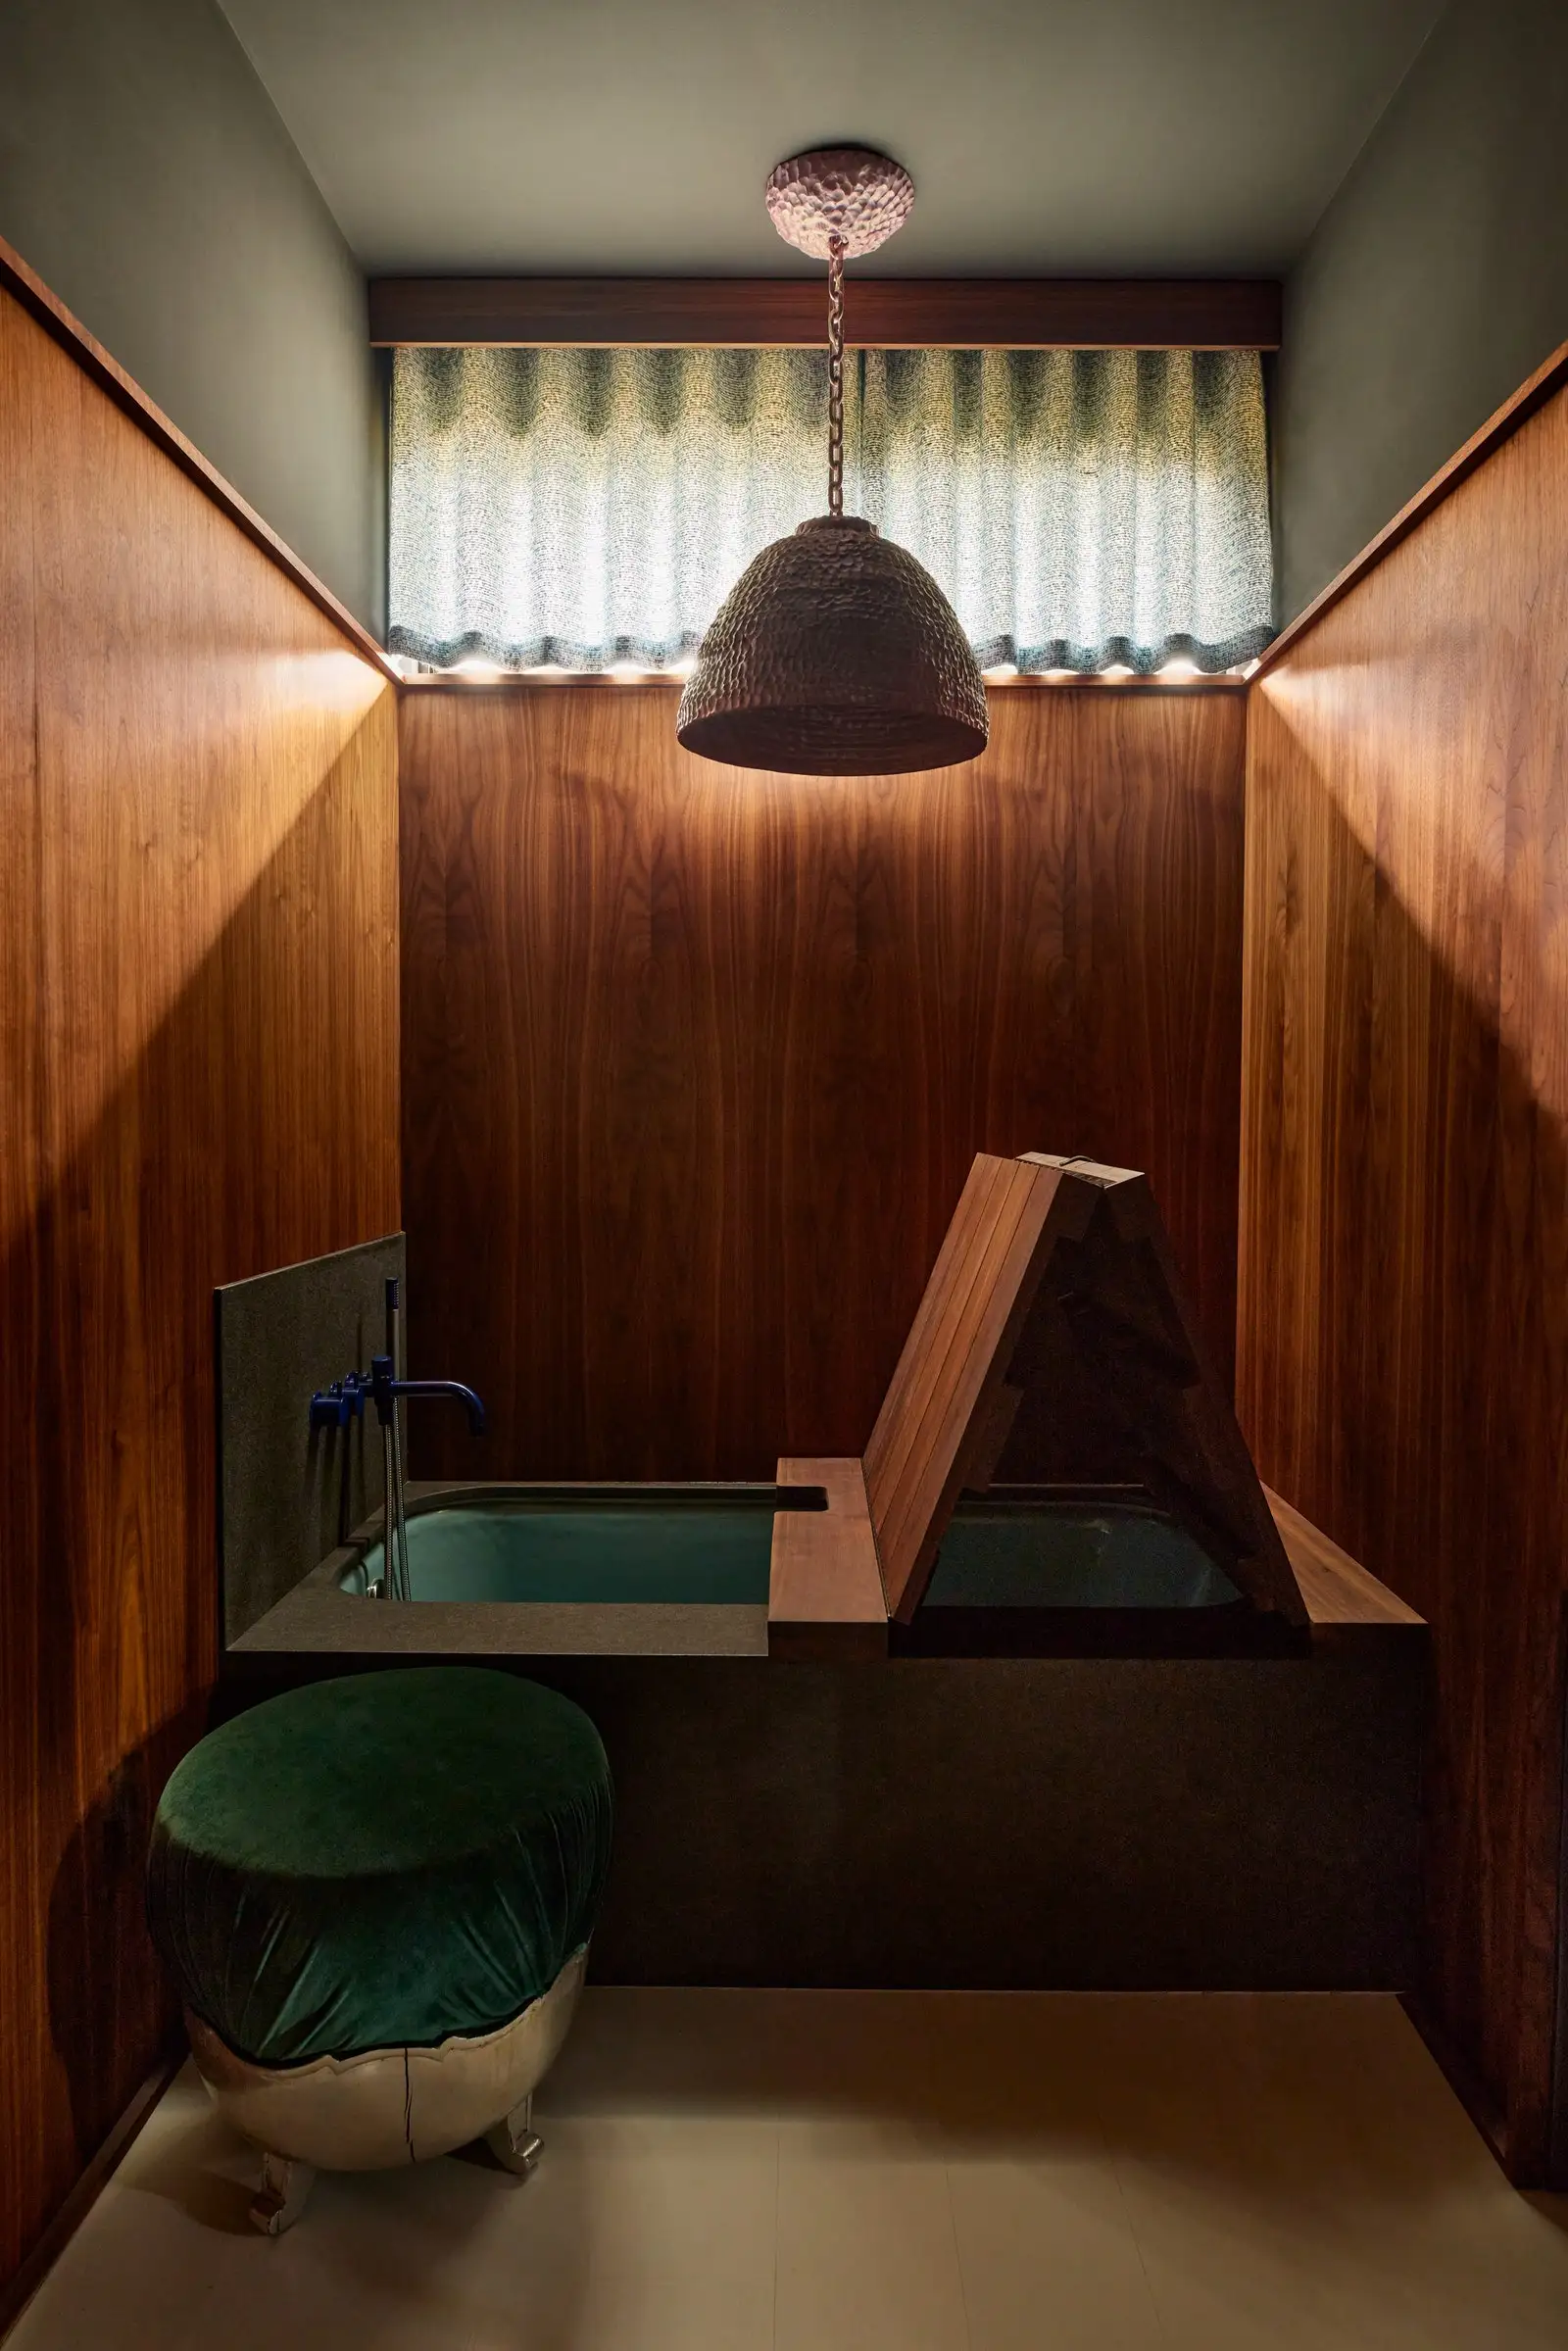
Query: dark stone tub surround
{"type": "Point", "coordinates": [1112, 1823]}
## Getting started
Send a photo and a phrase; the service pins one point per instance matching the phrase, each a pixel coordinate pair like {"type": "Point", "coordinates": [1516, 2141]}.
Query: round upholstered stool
{"type": "Point", "coordinates": [376, 1896]}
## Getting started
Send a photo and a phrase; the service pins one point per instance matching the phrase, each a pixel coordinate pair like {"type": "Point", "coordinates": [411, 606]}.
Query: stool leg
{"type": "Point", "coordinates": [513, 2142]}
{"type": "Point", "coordinates": [283, 2194]}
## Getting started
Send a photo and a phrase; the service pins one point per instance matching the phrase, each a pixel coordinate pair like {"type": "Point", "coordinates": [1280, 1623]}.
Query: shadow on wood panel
{"type": "Point", "coordinates": [256, 1126]}
{"type": "Point", "coordinates": [1404, 1347]}
{"type": "Point", "coordinates": [107, 1997]}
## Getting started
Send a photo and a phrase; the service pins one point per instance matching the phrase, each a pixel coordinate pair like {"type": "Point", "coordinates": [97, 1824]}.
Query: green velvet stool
{"type": "Point", "coordinates": [377, 1896]}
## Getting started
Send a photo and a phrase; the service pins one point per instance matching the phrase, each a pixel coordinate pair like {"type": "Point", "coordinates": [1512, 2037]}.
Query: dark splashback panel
{"type": "Point", "coordinates": [280, 1483]}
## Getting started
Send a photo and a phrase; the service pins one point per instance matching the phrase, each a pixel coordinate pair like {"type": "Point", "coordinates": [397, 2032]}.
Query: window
{"type": "Point", "coordinates": [584, 510]}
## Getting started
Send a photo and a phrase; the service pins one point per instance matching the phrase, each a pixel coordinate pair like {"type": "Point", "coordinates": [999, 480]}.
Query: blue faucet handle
{"type": "Point", "coordinates": [329, 1407]}
{"type": "Point", "coordinates": [335, 1406]}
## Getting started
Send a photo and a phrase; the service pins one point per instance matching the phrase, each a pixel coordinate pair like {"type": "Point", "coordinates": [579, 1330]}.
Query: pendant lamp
{"type": "Point", "coordinates": [835, 653]}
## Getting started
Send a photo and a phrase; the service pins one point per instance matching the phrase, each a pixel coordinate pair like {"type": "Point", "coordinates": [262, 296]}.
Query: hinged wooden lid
{"type": "Point", "coordinates": [1053, 1345]}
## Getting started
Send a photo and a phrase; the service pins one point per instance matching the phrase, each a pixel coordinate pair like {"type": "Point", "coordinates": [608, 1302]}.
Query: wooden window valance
{"type": "Point", "coordinates": [889, 314]}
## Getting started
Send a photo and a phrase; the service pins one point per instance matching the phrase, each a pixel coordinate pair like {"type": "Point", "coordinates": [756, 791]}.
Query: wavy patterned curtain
{"type": "Point", "coordinates": [587, 509]}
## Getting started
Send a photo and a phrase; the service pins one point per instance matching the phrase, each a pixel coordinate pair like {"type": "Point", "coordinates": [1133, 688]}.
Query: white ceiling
{"type": "Point", "coordinates": [1122, 136]}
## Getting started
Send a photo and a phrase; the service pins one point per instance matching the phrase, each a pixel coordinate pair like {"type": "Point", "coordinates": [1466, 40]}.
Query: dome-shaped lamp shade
{"type": "Point", "coordinates": [835, 654]}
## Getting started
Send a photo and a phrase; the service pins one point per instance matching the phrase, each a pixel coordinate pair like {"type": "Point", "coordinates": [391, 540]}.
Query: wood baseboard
{"type": "Point", "coordinates": [18, 2291]}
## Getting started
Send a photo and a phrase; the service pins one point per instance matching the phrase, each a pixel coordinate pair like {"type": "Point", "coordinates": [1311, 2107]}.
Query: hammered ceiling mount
{"type": "Point", "coordinates": [852, 193]}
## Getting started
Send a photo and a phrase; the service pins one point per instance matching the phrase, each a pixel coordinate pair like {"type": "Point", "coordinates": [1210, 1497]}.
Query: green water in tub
{"type": "Point", "coordinates": [689, 1546]}
{"type": "Point", "coordinates": [660, 1545]}
{"type": "Point", "coordinates": [1044, 1554]}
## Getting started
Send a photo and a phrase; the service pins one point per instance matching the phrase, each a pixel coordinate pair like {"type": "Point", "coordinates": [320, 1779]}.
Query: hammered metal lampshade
{"type": "Point", "coordinates": [836, 653]}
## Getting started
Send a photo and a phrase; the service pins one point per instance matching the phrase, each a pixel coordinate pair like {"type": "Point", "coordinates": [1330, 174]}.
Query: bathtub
{"type": "Point", "coordinates": [707, 1545]}
{"type": "Point", "coordinates": [522, 1570]}
{"type": "Point", "coordinates": [607, 1547]}
{"type": "Point", "coordinates": [684, 1570]}
{"type": "Point", "coordinates": [1046, 1572]}
{"type": "Point", "coordinates": [1024, 1571]}
{"type": "Point", "coordinates": [1087, 1764]}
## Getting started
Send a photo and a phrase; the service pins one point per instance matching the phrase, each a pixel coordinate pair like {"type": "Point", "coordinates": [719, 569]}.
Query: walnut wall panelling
{"type": "Point", "coordinates": [1403, 1312]}
{"type": "Point", "coordinates": [694, 1061]}
{"type": "Point", "coordinates": [198, 1079]}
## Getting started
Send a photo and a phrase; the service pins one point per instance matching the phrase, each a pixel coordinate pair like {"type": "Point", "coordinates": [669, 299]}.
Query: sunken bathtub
{"type": "Point", "coordinates": [1043, 1689]}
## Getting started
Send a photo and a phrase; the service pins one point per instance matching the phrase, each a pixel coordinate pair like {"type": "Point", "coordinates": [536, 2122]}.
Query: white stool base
{"type": "Point", "coordinates": [386, 2107]}
{"type": "Point", "coordinates": [283, 2194]}
{"type": "Point", "coordinates": [513, 2141]}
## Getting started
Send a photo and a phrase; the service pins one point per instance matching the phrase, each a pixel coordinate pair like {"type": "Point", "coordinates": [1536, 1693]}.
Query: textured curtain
{"type": "Point", "coordinates": [583, 509]}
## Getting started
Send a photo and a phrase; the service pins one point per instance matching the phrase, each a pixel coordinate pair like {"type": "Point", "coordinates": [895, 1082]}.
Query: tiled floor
{"type": "Point", "coordinates": [806, 2170]}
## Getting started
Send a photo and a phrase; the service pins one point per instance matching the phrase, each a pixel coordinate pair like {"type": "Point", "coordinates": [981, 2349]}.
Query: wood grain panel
{"type": "Point", "coordinates": [1403, 1317]}
{"type": "Point", "coordinates": [824, 1597]}
{"type": "Point", "coordinates": [1015, 314]}
{"type": "Point", "coordinates": [696, 1061]}
{"type": "Point", "coordinates": [198, 1079]}
{"type": "Point", "coordinates": [1339, 1592]}
{"type": "Point", "coordinates": [960, 1342]}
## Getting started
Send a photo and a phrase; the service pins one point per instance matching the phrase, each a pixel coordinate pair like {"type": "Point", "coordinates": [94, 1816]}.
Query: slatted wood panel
{"type": "Point", "coordinates": [1404, 1315]}
{"type": "Point", "coordinates": [696, 1063]}
{"type": "Point", "coordinates": [198, 1079]}
{"type": "Point", "coordinates": [972, 1306]}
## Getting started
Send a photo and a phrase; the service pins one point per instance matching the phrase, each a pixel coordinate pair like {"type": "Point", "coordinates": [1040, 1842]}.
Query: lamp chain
{"type": "Point", "coordinates": [835, 375]}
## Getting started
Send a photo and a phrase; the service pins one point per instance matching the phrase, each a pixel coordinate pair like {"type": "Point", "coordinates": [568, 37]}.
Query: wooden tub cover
{"type": "Point", "coordinates": [1054, 1346]}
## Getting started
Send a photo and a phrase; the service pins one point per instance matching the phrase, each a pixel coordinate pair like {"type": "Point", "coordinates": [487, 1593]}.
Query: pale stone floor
{"type": "Point", "coordinates": [731, 2171]}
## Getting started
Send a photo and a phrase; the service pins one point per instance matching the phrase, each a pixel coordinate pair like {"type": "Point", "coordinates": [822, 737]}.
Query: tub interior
{"type": "Point", "coordinates": [703, 1546]}
{"type": "Point", "coordinates": [1072, 1552]}
{"type": "Point", "coordinates": [604, 1546]}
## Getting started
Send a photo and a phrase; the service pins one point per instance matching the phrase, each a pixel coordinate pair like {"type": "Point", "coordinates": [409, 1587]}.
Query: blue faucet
{"type": "Point", "coordinates": [384, 1389]}
{"type": "Point", "coordinates": [344, 1402]}
{"type": "Point", "coordinates": [335, 1407]}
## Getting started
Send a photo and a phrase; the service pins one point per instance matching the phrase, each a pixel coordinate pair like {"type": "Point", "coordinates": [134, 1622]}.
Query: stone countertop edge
{"type": "Point", "coordinates": [315, 1618]}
